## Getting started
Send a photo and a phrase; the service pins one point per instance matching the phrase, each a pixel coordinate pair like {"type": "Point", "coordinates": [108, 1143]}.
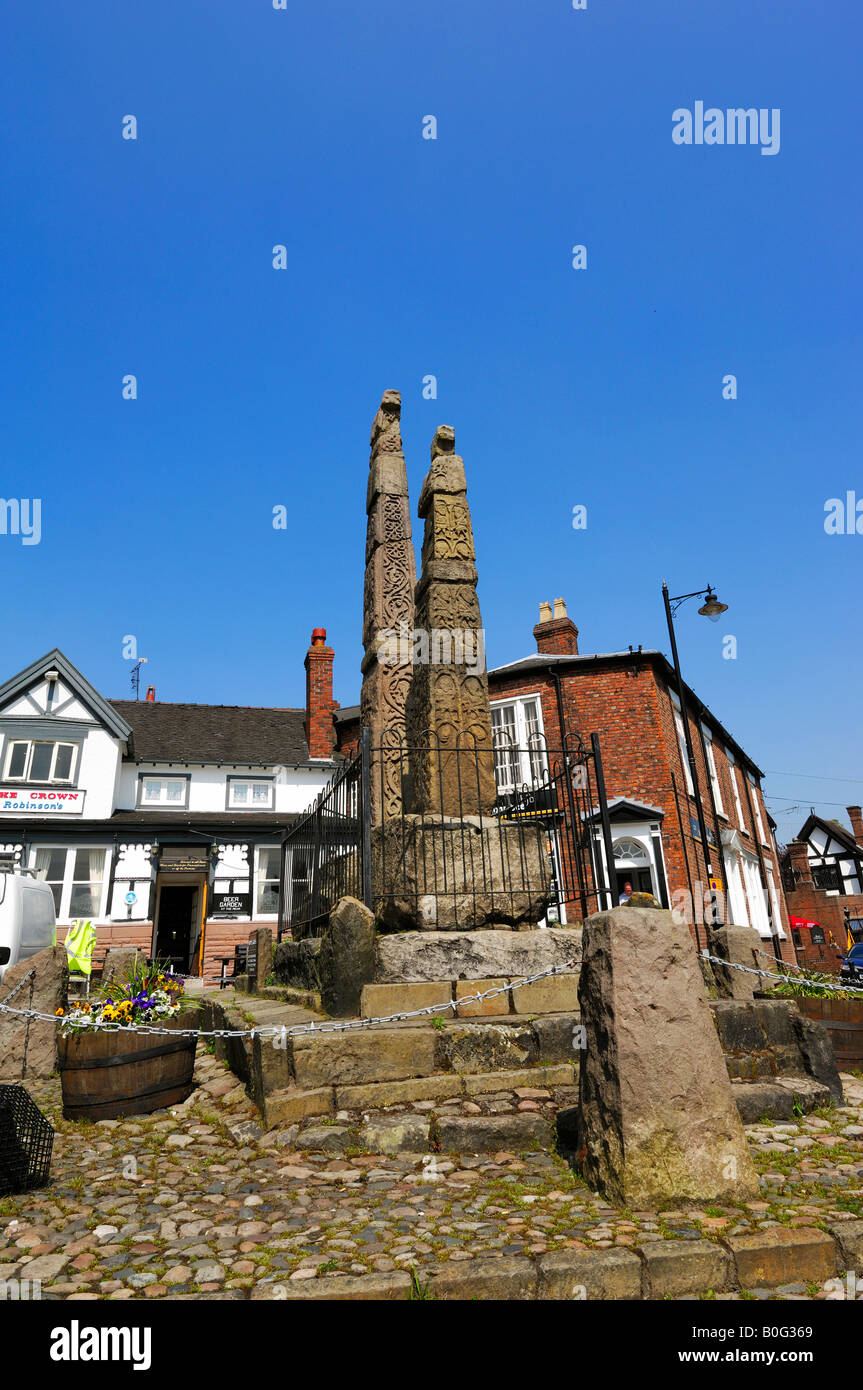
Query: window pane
{"type": "Point", "coordinates": [268, 897]}
{"type": "Point", "coordinates": [63, 762]}
{"type": "Point", "coordinates": [40, 767]}
{"type": "Point", "coordinates": [18, 760]}
{"type": "Point", "coordinates": [152, 790]}
{"type": "Point", "coordinates": [85, 900]}
{"type": "Point", "coordinates": [261, 793]}
{"type": "Point", "coordinates": [175, 791]}
{"type": "Point", "coordinates": [268, 863]}
{"type": "Point", "coordinates": [239, 793]}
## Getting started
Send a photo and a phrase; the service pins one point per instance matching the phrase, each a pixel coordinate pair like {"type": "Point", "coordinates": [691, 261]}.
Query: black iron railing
{"type": "Point", "coordinates": [505, 836]}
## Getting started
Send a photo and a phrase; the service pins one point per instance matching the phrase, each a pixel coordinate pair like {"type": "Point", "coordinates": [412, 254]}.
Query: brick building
{"type": "Point", "coordinates": [558, 694]}
{"type": "Point", "coordinates": [822, 873]}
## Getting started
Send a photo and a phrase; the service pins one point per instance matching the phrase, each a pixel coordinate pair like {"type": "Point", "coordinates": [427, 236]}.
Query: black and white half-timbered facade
{"type": "Point", "coordinates": [822, 873]}
{"type": "Point", "coordinates": [160, 823]}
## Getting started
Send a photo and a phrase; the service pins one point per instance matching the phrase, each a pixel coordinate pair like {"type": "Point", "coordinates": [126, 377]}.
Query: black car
{"type": "Point", "coordinates": [852, 966]}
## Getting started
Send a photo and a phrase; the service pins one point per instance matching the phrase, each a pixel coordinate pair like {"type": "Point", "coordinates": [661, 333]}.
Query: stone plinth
{"type": "Point", "coordinates": [657, 1119]}
{"type": "Point", "coordinates": [407, 957]}
{"type": "Point", "coordinates": [49, 995]}
{"type": "Point", "coordinates": [438, 873]}
{"type": "Point", "coordinates": [739, 946]}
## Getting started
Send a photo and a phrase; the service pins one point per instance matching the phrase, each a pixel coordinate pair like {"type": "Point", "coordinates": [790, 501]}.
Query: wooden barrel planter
{"type": "Point", "coordinates": [843, 1019]}
{"type": "Point", "coordinates": [106, 1076]}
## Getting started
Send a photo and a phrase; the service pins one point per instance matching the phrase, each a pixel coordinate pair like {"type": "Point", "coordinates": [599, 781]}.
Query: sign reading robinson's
{"type": "Point", "coordinates": [41, 803]}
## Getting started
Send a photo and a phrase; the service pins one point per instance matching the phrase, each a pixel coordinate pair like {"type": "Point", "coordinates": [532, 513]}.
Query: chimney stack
{"type": "Point", "coordinates": [320, 732]}
{"type": "Point", "coordinates": [555, 633]}
{"type": "Point", "coordinates": [855, 815]}
{"type": "Point", "coordinates": [798, 854]}
{"type": "Point", "coordinates": [151, 694]}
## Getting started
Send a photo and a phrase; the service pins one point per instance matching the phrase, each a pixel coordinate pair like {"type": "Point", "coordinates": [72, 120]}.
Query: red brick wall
{"type": "Point", "coordinates": [814, 905]}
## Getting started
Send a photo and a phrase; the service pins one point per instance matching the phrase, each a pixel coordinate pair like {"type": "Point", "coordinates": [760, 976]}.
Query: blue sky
{"type": "Point", "coordinates": [451, 257]}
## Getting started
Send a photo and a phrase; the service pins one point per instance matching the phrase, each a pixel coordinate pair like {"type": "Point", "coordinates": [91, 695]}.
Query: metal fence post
{"type": "Point", "coordinates": [603, 816]}
{"type": "Point", "coordinates": [366, 818]}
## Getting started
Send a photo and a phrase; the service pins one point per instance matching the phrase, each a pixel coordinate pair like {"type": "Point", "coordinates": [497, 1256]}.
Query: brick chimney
{"type": "Point", "coordinates": [151, 694]}
{"type": "Point", "coordinates": [798, 854]}
{"type": "Point", "coordinates": [320, 731]}
{"type": "Point", "coordinates": [555, 633]}
{"type": "Point", "coordinates": [855, 815]}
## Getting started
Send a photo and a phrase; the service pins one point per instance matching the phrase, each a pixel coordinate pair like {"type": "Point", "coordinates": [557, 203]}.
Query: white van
{"type": "Point", "coordinates": [27, 920]}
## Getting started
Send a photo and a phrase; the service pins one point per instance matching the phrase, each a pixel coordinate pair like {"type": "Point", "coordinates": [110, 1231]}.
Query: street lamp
{"type": "Point", "coordinates": [712, 609]}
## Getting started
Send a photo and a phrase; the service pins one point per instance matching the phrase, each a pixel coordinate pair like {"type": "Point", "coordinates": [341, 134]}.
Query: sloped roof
{"type": "Point", "coordinates": [236, 734]}
{"type": "Point", "coordinates": [100, 708]}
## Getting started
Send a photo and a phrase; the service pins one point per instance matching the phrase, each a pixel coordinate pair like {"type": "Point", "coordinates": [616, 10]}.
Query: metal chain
{"type": "Point", "coordinates": [298, 1028]}
{"type": "Point", "coordinates": [20, 985]}
{"type": "Point", "coordinates": [777, 975]}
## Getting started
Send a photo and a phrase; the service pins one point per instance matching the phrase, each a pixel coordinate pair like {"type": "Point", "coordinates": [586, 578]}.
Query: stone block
{"type": "Point", "coordinates": [849, 1237]}
{"type": "Point", "coordinates": [475, 1134]}
{"type": "Point", "coordinates": [380, 1054]}
{"type": "Point", "coordinates": [325, 1138]}
{"type": "Point", "coordinates": [395, 1134]}
{"type": "Point", "coordinates": [555, 1035]}
{"type": "Point", "coordinates": [478, 1008]}
{"type": "Point", "coordinates": [347, 957]}
{"type": "Point", "coordinates": [562, 1074]}
{"type": "Point", "coordinates": [286, 1107]}
{"type": "Point", "coordinates": [816, 1051]}
{"type": "Point", "coordinates": [295, 963]}
{"type": "Point", "coordinates": [473, 955]}
{"type": "Point", "coordinates": [380, 1001]}
{"type": "Point", "coordinates": [556, 994]}
{"type": "Point", "coordinates": [512, 1278]}
{"type": "Point", "coordinates": [382, 1093]}
{"type": "Point", "coordinates": [592, 1274]}
{"type": "Point", "coordinates": [270, 1069]}
{"type": "Point", "coordinates": [657, 1119]}
{"type": "Point", "coordinates": [119, 960]}
{"type": "Point", "coordinates": [440, 873]}
{"type": "Point", "coordinates": [738, 1026]}
{"type": "Point", "coordinates": [755, 1099]}
{"type": "Point", "coordinates": [482, 1047]}
{"type": "Point", "coordinates": [49, 995]}
{"type": "Point", "coordinates": [676, 1267]}
{"type": "Point", "coordinates": [353, 1287]}
{"type": "Point", "coordinates": [737, 946]}
{"type": "Point", "coordinates": [781, 1255]}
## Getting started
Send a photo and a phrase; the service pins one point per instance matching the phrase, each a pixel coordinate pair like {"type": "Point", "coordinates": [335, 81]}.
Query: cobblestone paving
{"type": "Point", "coordinates": [199, 1201]}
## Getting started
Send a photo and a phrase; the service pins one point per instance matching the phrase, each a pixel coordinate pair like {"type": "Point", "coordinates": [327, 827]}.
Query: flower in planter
{"type": "Point", "coordinates": [148, 993]}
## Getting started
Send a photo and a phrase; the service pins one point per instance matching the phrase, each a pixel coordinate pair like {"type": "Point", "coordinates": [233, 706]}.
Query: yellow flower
{"type": "Point", "coordinates": [59, 1012]}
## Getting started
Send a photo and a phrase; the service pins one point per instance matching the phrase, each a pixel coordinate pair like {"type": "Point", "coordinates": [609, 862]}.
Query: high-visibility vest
{"type": "Point", "coordinates": [79, 943]}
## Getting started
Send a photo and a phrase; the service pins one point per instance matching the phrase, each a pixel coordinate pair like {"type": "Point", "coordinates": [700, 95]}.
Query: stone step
{"type": "Point", "coordinates": [556, 994]}
{"type": "Point", "coordinates": [293, 1104]}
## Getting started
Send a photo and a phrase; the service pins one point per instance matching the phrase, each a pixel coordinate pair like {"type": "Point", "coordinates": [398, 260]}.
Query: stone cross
{"type": "Point", "coordinates": [448, 708]}
{"type": "Point", "coordinates": [388, 609]}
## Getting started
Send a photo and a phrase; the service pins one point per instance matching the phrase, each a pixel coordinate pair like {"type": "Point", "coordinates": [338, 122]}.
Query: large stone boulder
{"type": "Point", "coordinates": [49, 995]}
{"type": "Point", "coordinates": [346, 960]}
{"type": "Point", "coordinates": [657, 1119]}
{"type": "Point", "coordinates": [119, 961]}
{"type": "Point", "coordinates": [439, 873]}
{"type": "Point", "coordinates": [415, 956]}
{"type": "Point", "coordinates": [738, 946]}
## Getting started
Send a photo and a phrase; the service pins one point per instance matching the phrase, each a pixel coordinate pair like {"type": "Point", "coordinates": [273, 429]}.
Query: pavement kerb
{"type": "Point", "coordinates": [610, 1274]}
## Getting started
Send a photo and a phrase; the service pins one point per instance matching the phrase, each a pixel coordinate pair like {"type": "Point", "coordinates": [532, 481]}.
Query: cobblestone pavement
{"type": "Point", "coordinates": [200, 1201]}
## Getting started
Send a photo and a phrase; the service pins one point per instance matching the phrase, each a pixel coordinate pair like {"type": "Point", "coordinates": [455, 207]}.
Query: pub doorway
{"type": "Point", "coordinates": [176, 934]}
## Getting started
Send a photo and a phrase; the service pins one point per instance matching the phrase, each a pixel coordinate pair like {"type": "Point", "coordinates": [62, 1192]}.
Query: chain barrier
{"type": "Point", "coordinates": [31, 975]}
{"type": "Point", "coordinates": [273, 1031]}
{"type": "Point", "coordinates": [777, 975]}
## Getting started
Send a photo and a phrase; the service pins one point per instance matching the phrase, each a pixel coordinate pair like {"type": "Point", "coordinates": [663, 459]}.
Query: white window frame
{"type": "Point", "coordinates": [736, 904]}
{"type": "Point", "coordinates": [681, 742]}
{"type": "Point", "coordinates": [64, 912]}
{"type": "Point", "coordinates": [250, 781]}
{"type": "Point", "coordinates": [258, 915]}
{"type": "Point", "coordinates": [774, 901]}
{"type": "Point", "coordinates": [57, 744]}
{"type": "Point", "coordinates": [531, 748]}
{"type": "Point", "coordinates": [162, 800]}
{"type": "Point", "coordinates": [758, 914]}
{"type": "Point", "coordinates": [756, 807]}
{"type": "Point", "coordinates": [735, 787]}
{"type": "Point", "coordinates": [712, 772]}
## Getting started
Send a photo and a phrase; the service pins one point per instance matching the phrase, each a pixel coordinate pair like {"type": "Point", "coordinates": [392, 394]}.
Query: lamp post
{"type": "Point", "coordinates": [711, 608]}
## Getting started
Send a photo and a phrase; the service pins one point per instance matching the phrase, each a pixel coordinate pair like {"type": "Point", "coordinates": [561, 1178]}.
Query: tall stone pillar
{"type": "Point", "coordinates": [449, 708]}
{"type": "Point", "coordinates": [388, 609]}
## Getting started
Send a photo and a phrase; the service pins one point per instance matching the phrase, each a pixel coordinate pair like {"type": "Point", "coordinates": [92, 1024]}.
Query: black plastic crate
{"type": "Point", "coordinates": [26, 1142]}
